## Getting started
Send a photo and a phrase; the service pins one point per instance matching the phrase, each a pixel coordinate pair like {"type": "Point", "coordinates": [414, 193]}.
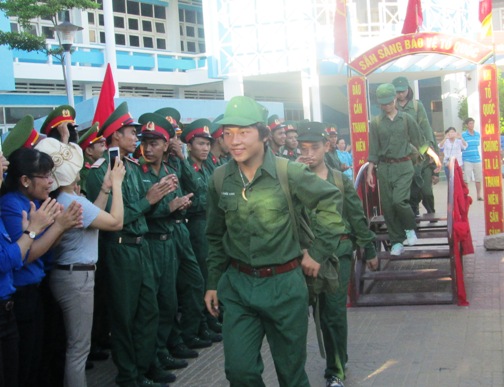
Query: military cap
{"type": "Point", "coordinates": [62, 114]}
{"type": "Point", "coordinates": [119, 118]}
{"type": "Point", "coordinates": [312, 132]}
{"type": "Point", "coordinates": [290, 126]}
{"type": "Point", "coordinates": [90, 136]}
{"type": "Point", "coordinates": [197, 128]}
{"type": "Point", "coordinates": [171, 115]}
{"type": "Point", "coordinates": [331, 129]}
{"type": "Point", "coordinates": [215, 128]}
{"type": "Point", "coordinates": [400, 84]}
{"type": "Point", "coordinates": [243, 111]}
{"type": "Point", "coordinates": [156, 126]}
{"type": "Point", "coordinates": [21, 136]}
{"type": "Point", "coordinates": [274, 123]}
{"type": "Point", "coordinates": [385, 93]}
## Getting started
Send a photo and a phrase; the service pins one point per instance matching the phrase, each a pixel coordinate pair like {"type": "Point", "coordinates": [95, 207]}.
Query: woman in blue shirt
{"type": "Point", "coordinates": [29, 180]}
{"type": "Point", "coordinates": [11, 258]}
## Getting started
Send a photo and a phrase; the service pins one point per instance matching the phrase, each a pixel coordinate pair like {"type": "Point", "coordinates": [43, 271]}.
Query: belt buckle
{"type": "Point", "coordinates": [256, 272]}
{"type": "Point", "coordinates": [163, 237]}
{"type": "Point", "coordinates": [138, 240]}
{"type": "Point", "coordinates": [9, 305]}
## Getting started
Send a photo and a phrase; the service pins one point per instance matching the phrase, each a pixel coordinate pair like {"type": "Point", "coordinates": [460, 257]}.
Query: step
{"type": "Point", "coordinates": [421, 234]}
{"type": "Point", "coordinates": [424, 298]}
{"type": "Point", "coordinates": [438, 253]}
{"type": "Point", "coordinates": [423, 218]}
{"type": "Point", "coordinates": [406, 275]}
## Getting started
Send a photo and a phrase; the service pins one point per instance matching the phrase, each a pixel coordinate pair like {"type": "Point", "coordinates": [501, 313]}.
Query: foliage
{"type": "Point", "coordinates": [25, 10]}
{"type": "Point", "coordinates": [463, 109]}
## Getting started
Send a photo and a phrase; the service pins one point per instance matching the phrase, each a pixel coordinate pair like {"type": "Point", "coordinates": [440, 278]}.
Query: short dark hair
{"type": "Point", "coordinates": [450, 128]}
{"type": "Point", "coordinates": [467, 120]}
{"type": "Point", "coordinates": [26, 161]}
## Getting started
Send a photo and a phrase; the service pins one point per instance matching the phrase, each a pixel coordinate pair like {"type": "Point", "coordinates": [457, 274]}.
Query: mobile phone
{"type": "Point", "coordinates": [113, 153]}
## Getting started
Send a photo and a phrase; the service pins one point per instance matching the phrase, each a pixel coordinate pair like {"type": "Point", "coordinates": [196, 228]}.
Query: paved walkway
{"type": "Point", "coordinates": [440, 345]}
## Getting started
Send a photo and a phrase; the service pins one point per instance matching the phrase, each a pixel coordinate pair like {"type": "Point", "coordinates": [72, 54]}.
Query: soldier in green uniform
{"type": "Point", "coordinates": [255, 263]}
{"type": "Point", "coordinates": [219, 154]}
{"type": "Point", "coordinates": [390, 135]}
{"type": "Point", "coordinates": [425, 178]}
{"type": "Point", "coordinates": [156, 133]}
{"type": "Point", "coordinates": [60, 124]}
{"type": "Point", "coordinates": [93, 147]}
{"type": "Point", "coordinates": [198, 139]}
{"type": "Point", "coordinates": [314, 144]}
{"type": "Point", "coordinates": [133, 306]}
{"type": "Point", "coordinates": [290, 149]}
{"type": "Point", "coordinates": [277, 134]}
{"type": "Point", "coordinates": [331, 157]}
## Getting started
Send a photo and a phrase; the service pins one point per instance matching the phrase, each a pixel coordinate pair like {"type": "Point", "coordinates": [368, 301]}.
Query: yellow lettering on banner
{"type": "Point", "coordinates": [495, 163]}
{"type": "Point", "coordinates": [359, 127]}
{"type": "Point", "coordinates": [356, 90]}
{"type": "Point", "coordinates": [414, 43]}
{"type": "Point", "coordinates": [488, 92]}
{"type": "Point", "coordinates": [493, 181]}
{"type": "Point", "coordinates": [487, 75]}
{"type": "Point", "coordinates": [494, 216]}
{"type": "Point", "coordinates": [360, 146]}
{"type": "Point", "coordinates": [493, 231]}
{"type": "Point", "coordinates": [488, 108]}
{"type": "Point", "coordinates": [357, 108]}
{"type": "Point", "coordinates": [491, 146]}
{"type": "Point", "coordinates": [489, 128]}
{"type": "Point", "coordinates": [368, 61]}
{"type": "Point", "coordinates": [390, 50]}
{"type": "Point", "coordinates": [493, 199]}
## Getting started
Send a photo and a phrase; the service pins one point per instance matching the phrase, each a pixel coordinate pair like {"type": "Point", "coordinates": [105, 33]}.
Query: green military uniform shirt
{"type": "Point", "coordinates": [391, 138]}
{"type": "Point", "coordinates": [84, 172]}
{"type": "Point", "coordinates": [416, 109]}
{"type": "Point", "coordinates": [133, 191]}
{"type": "Point", "coordinates": [332, 160]}
{"type": "Point", "coordinates": [199, 200]}
{"type": "Point", "coordinates": [288, 154]}
{"type": "Point", "coordinates": [259, 232]}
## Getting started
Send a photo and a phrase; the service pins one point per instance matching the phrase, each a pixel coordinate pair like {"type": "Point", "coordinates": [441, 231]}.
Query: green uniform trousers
{"type": "Point", "coordinates": [133, 309]}
{"type": "Point", "coordinates": [165, 274]}
{"type": "Point", "coordinates": [333, 321]}
{"type": "Point", "coordinates": [274, 306]}
{"type": "Point", "coordinates": [190, 288]}
{"type": "Point", "coordinates": [395, 186]}
{"type": "Point", "coordinates": [423, 192]}
{"type": "Point", "coordinates": [196, 226]}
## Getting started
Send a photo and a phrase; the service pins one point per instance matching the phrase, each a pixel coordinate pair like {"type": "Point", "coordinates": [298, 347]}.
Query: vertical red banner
{"type": "Point", "coordinates": [359, 126]}
{"type": "Point", "coordinates": [490, 148]}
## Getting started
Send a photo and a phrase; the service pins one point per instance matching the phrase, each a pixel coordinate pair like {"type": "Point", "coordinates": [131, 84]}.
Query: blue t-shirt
{"type": "Point", "coordinates": [346, 158]}
{"type": "Point", "coordinates": [471, 153]}
{"type": "Point", "coordinates": [78, 245]}
{"type": "Point", "coordinates": [10, 259]}
{"type": "Point", "coordinates": [12, 205]}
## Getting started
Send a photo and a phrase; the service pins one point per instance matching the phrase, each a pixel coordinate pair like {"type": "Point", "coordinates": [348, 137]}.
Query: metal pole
{"type": "Point", "coordinates": [69, 81]}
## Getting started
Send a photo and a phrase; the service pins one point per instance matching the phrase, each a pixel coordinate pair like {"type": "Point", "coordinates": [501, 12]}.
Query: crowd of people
{"type": "Point", "coordinates": [155, 239]}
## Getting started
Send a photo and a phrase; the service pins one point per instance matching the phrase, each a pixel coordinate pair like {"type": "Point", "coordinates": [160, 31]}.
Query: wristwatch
{"type": "Point", "coordinates": [31, 234]}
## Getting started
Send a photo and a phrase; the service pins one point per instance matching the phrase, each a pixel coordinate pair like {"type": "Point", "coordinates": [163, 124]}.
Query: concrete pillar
{"type": "Point", "coordinates": [473, 101]}
{"type": "Point", "coordinates": [173, 27]}
{"type": "Point", "coordinates": [233, 86]}
{"type": "Point", "coordinates": [305, 93]}
{"type": "Point", "coordinates": [453, 87]}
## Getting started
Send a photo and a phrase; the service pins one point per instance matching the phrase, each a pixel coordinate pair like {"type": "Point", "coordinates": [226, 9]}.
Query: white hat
{"type": "Point", "coordinates": [67, 158]}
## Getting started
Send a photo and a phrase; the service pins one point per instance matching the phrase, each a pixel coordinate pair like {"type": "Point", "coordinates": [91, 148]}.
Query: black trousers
{"type": "Point", "coordinates": [9, 344]}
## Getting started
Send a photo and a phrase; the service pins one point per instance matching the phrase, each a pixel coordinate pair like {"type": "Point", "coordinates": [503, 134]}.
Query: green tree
{"type": "Point", "coordinates": [26, 10]}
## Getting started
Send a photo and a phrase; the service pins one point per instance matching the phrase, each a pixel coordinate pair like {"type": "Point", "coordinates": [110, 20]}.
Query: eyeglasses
{"type": "Point", "coordinates": [46, 177]}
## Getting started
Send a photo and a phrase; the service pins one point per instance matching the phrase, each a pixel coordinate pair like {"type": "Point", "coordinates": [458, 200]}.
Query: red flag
{"type": "Point", "coordinates": [414, 17]}
{"type": "Point", "coordinates": [485, 17]}
{"type": "Point", "coordinates": [105, 105]}
{"type": "Point", "coordinates": [340, 31]}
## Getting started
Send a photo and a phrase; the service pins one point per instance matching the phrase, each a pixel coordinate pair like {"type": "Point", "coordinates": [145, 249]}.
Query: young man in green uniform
{"type": "Point", "coordinates": [198, 139]}
{"type": "Point", "coordinates": [425, 178]}
{"type": "Point", "coordinates": [156, 134]}
{"type": "Point", "coordinates": [60, 124]}
{"type": "Point", "coordinates": [331, 157]}
{"type": "Point", "coordinates": [219, 154]}
{"type": "Point", "coordinates": [390, 135]}
{"type": "Point", "coordinates": [277, 134]}
{"type": "Point", "coordinates": [93, 147]}
{"type": "Point", "coordinates": [255, 263]}
{"type": "Point", "coordinates": [290, 149]}
{"type": "Point", "coordinates": [133, 306]}
{"type": "Point", "coordinates": [314, 145]}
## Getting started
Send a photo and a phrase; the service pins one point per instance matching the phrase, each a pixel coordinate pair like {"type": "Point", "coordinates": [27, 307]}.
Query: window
{"type": "Point", "coordinates": [192, 32]}
{"type": "Point", "coordinates": [191, 47]}
{"type": "Point", "coordinates": [133, 8]}
{"type": "Point", "coordinates": [119, 6]}
{"type": "Point", "coordinates": [161, 44]}
{"type": "Point", "coordinates": [92, 36]}
{"type": "Point", "coordinates": [91, 18]}
{"type": "Point", "coordinates": [133, 24]}
{"type": "Point", "coordinates": [160, 28]}
{"type": "Point", "coordinates": [134, 41]}
{"type": "Point", "coordinates": [47, 32]}
{"type": "Point", "coordinates": [118, 22]}
{"type": "Point", "coordinates": [147, 10]}
{"type": "Point", "coordinates": [147, 41]}
{"type": "Point", "coordinates": [159, 12]}
{"type": "Point", "coordinates": [146, 25]}
{"type": "Point", "coordinates": [120, 39]}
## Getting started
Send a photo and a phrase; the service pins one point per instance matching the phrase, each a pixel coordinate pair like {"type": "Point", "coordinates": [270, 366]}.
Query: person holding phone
{"type": "Point", "coordinates": [133, 308]}
{"type": "Point", "coordinates": [452, 146]}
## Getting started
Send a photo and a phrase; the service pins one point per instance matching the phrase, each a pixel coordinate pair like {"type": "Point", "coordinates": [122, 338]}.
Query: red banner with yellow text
{"type": "Point", "coordinates": [490, 148]}
{"type": "Point", "coordinates": [359, 127]}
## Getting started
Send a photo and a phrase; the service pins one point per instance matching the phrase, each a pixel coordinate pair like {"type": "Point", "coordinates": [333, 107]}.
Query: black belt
{"type": "Point", "coordinates": [6, 305]}
{"type": "Point", "coordinates": [158, 237]}
{"type": "Point", "coordinates": [76, 267]}
{"type": "Point", "coordinates": [265, 271]}
{"type": "Point", "coordinates": [129, 240]}
{"type": "Point", "coordinates": [393, 161]}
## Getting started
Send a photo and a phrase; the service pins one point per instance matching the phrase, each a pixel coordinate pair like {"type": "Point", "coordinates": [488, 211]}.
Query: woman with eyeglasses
{"type": "Point", "coordinates": [29, 181]}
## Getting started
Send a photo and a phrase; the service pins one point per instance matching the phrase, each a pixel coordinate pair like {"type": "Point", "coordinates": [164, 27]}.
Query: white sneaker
{"type": "Point", "coordinates": [411, 237]}
{"type": "Point", "coordinates": [397, 249]}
